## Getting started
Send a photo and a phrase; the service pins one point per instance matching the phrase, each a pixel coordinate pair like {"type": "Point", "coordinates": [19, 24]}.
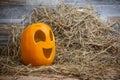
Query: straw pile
{"type": "Point", "coordinates": [87, 48]}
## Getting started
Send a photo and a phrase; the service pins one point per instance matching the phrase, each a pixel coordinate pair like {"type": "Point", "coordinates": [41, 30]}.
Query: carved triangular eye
{"type": "Point", "coordinates": [51, 36]}
{"type": "Point", "coordinates": [39, 36]}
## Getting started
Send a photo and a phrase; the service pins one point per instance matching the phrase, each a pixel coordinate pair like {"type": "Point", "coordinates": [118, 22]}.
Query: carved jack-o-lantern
{"type": "Point", "coordinates": [38, 45]}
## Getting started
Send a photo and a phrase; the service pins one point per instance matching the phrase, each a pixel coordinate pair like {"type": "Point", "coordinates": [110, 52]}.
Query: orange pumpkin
{"type": "Point", "coordinates": [38, 45]}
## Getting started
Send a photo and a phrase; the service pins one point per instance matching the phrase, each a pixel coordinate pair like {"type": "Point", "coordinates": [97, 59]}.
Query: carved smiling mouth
{"type": "Point", "coordinates": [47, 52]}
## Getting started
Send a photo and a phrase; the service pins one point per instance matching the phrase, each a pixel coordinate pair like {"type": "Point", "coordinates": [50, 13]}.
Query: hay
{"type": "Point", "coordinates": [87, 48]}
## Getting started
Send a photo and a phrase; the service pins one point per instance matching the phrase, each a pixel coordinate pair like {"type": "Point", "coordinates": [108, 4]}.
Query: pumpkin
{"type": "Point", "coordinates": [37, 45]}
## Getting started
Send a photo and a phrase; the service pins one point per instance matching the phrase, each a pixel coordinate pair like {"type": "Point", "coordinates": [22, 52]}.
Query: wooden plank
{"type": "Point", "coordinates": [12, 2]}
{"type": "Point", "coordinates": [5, 30]}
{"type": "Point", "coordinates": [114, 19]}
{"type": "Point", "coordinates": [4, 35]}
